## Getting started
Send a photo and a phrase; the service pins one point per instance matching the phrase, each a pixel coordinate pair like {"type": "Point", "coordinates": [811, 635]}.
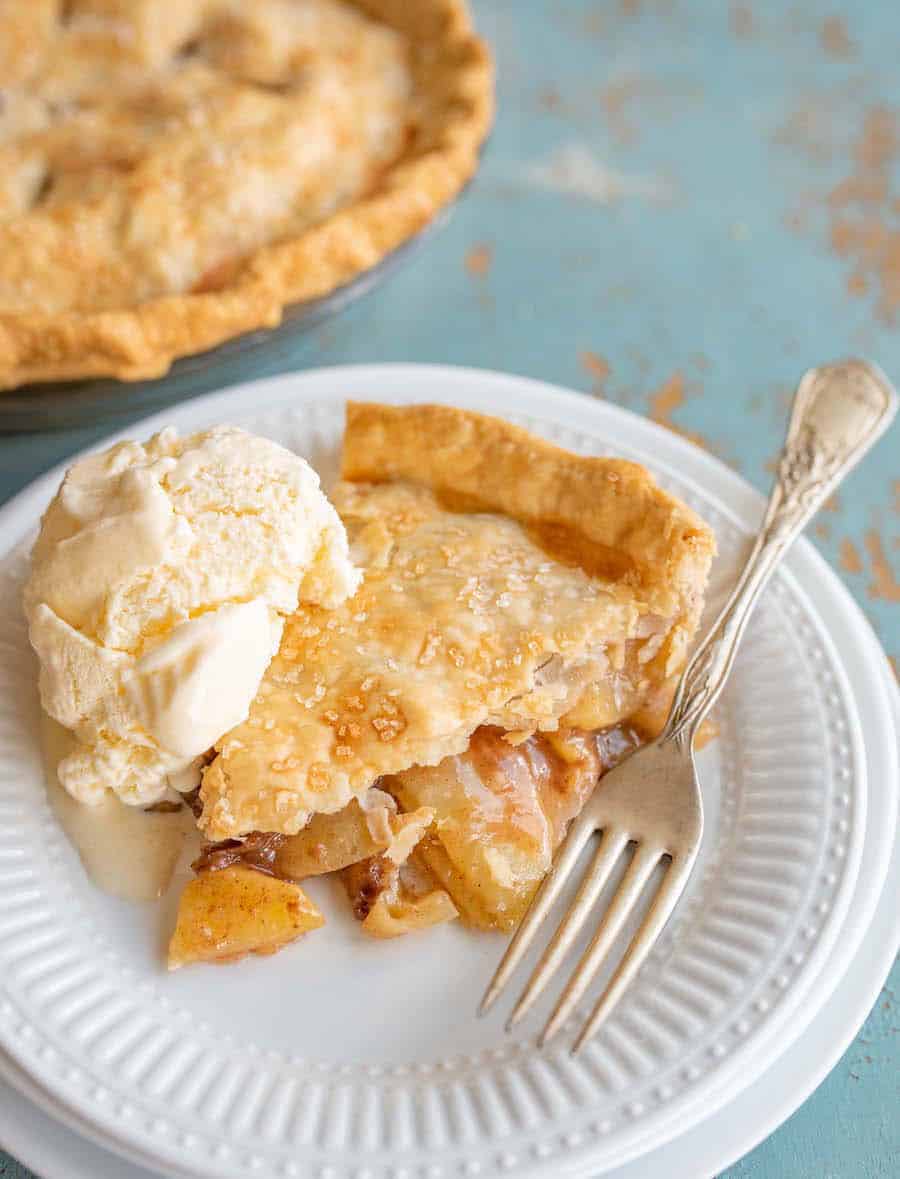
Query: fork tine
{"type": "Point", "coordinates": [612, 844]}
{"type": "Point", "coordinates": [566, 857]}
{"type": "Point", "coordinates": [636, 876]}
{"type": "Point", "coordinates": [656, 917]}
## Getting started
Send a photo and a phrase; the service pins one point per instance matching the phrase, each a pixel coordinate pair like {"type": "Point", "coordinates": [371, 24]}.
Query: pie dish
{"type": "Point", "coordinates": [522, 616]}
{"type": "Point", "coordinates": [168, 182]}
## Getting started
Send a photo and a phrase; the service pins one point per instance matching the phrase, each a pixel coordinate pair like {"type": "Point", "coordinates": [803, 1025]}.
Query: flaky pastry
{"type": "Point", "coordinates": [507, 583]}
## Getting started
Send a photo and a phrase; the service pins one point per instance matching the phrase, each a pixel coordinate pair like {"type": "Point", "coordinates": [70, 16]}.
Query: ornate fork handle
{"type": "Point", "coordinates": [839, 412]}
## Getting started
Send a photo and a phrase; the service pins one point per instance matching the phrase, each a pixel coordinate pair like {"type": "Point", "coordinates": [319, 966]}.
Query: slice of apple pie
{"type": "Point", "coordinates": [522, 616]}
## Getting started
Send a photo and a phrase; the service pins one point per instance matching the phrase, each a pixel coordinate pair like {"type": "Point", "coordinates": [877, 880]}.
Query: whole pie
{"type": "Point", "coordinates": [172, 175]}
{"type": "Point", "coordinates": [521, 620]}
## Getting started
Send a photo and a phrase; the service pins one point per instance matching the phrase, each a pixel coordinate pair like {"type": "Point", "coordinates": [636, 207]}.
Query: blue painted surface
{"type": "Point", "coordinates": [678, 191]}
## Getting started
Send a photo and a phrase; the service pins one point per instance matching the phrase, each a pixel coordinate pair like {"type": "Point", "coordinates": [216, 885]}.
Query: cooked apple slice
{"type": "Point", "coordinates": [392, 899]}
{"type": "Point", "coordinates": [328, 843]}
{"type": "Point", "coordinates": [394, 893]}
{"type": "Point", "coordinates": [397, 912]}
{"type": "Point", "coordinates": [500, 808]}
{"type": "Point", "coordinates": [364, 828]}
{"type": "Point", "coordinates": [224, 915]}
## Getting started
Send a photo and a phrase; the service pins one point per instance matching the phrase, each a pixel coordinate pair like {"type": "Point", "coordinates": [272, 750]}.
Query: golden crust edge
{"type": "Point", "coordinates": [608, 504]}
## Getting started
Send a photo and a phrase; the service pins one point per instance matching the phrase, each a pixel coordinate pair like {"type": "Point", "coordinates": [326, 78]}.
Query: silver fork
{"type": "Point", "coordinates": [652, 800]}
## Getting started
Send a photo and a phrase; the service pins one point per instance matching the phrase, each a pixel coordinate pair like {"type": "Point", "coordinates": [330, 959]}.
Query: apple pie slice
{"type": "Point", "coordinates": [522, 616]}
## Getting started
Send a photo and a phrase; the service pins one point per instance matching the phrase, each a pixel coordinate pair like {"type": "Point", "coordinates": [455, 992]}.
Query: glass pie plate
{"type": "Point", "coordinates": [56, 405]}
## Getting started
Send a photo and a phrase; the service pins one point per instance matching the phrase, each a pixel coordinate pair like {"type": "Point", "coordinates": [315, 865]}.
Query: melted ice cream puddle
{"type": "Point", "coordinates": [127, 852]}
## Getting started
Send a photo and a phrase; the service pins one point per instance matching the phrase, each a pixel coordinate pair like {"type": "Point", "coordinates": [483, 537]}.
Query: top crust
{"type": "Point", "coordinates": [491, 595]}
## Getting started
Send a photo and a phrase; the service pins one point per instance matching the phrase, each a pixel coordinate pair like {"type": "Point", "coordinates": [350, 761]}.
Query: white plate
{"type": "Point", "coordinates": [308, 1064]}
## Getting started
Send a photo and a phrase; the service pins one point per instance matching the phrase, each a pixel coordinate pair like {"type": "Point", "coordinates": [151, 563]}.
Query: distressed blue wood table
{"type": "Point", "coordinates": [684, 205]}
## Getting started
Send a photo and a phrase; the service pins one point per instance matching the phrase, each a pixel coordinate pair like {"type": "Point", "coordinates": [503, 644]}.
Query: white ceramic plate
{"type": "Point", "coordinates": [309, 1063]}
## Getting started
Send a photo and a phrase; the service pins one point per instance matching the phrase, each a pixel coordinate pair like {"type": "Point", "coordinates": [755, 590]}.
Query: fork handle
{"type": "Point", "coordinates": [840, 410]}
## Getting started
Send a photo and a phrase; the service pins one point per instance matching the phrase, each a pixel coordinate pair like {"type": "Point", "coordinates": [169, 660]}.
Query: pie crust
{"type": "Point", "coordinates": [506, 582]}
{"type": "Point", "coordinates": [130, 237]}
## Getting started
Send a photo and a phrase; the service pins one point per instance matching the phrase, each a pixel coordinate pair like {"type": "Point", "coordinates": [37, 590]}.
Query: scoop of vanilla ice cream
{"type": "Point", "coordinates": [158, 590]}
